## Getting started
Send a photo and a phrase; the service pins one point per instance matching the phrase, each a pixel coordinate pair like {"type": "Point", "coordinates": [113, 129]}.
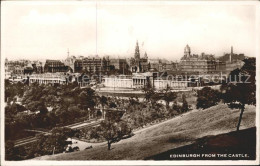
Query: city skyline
{"type": "Point", "coordinates": [32, 30]}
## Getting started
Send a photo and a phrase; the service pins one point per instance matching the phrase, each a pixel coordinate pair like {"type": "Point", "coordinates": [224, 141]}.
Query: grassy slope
{"type": "Point", "coordinates": [235, 142]}
{"type": "Point", "coordinates": [179, 131]}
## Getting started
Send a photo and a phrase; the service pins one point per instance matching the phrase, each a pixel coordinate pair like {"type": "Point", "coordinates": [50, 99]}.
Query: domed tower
{"type": "Point", "coordinates": [187, 51]}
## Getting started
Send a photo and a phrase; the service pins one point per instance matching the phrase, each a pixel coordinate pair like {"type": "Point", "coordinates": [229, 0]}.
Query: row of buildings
{"type": "Point", "coordinates": [208, 63]}
{"type": "Point", "coordinates": [141, 80]}
{"type": "Point", "coordinates": [195, 70]}
{"type": "Point", "coordinates": [139, 70]}
{"type": "Point", "coordinates": [204, 63]}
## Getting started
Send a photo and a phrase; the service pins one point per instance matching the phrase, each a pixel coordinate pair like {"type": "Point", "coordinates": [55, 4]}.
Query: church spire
{"type": "Point", "coordinates": [137, 51]}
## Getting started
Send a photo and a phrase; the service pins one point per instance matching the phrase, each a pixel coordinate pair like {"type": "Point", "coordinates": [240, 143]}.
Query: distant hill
{"type": "Point", "coordinates": [235, 57]}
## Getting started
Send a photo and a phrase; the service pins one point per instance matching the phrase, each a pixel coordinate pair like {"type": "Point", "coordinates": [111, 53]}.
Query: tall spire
{"type": "Point", "coordinates": [230, 57]}
{"type": "Point", "coordinates": [137, 52]}
{"type": "Point", "coordinates": [68, 52]}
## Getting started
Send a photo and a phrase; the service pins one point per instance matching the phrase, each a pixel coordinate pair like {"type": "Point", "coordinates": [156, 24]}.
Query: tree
{"type": "Point", "coordinates": [241, 87]}
{"type": "Point", "coordinates": [37, 106]}
{"type": "Point", "coordinates": [112, 105]}
{"type": "Point", "coordinates": [87, 99]}
{"type": "Point", "coordinates": [176, 107]}
{"type": "Point", "coordinates": [12, 90]}
{"type": "Point", "coordinates": [9, 150]}
{"type": "Point", "coordinates": [168, 96]}
{"type": "Point", "coordinates": [113, 129]}
{"type": "Point", "coordinates": [103, 101]}
{"type": "Point", "coordinates": [185, 106]}
{"type": "Point", "coordinates": [55, 141]}
{"type": "Point", "coordinates": [13, 153]}
{"type": "Point", "coordinates": [207, 97]}
{"type": "Point", "coordinates": [148, 91]}
{"type": "Point", "coordinates": [109, 132]}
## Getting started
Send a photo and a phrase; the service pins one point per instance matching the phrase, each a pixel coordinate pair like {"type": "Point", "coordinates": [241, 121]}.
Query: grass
{"type": "Point", "coordinates": [179, 131]}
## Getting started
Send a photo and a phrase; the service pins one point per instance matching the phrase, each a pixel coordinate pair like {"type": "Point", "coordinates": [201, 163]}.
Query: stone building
{"type": "Point", "coordinates": [140, 80]}
{"type": "Point", "coordinates": [119, 64]}
{"type": "Point", "coordinates": [53, 66]}
{"type": "Point", "coordinates": [48, 78]}
{"type": "Point", "coordinates": [203, 64]}
{"type": "Point", "coordinates": [92, 64]}
{"type": "Point", "coordinates": [162, 65]}
{"type": "Point", "coordinates": [70, 62]}
{"type": "Point", "coordinates": [37, 67]}
{"type": "Point", "coordinates": [17, 67]}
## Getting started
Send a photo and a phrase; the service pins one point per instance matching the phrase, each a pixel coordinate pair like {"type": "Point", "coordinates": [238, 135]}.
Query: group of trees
{"type": "Point", "coordinates": [12, 91]}
{"type": "Point", "coordinates": [167, 96]}
{"type": "Point", "coordinates": [138, 114]}
{"type": "Point", "coordinates": [46, 106]}
{"type": "Point", "coordinates": [46, 144]}
{"type": "Point", "coordinates": [54, 142]}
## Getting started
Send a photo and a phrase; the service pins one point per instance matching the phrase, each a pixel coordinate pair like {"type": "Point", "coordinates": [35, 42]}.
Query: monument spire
{"type": "Point", "coordinates": [230, 57]}
{"type": "Point", "coordinates": [137, 51]}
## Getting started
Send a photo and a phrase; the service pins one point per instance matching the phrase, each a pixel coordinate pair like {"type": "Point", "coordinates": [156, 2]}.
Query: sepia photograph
{"type": "Point", "coordinates": [130, 82]}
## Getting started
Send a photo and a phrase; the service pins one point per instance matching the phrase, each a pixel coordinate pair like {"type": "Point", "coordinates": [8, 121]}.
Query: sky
{"type": "Point", "coordinates": [38, 30]}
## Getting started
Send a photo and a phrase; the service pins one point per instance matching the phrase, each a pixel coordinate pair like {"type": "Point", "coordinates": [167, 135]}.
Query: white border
{"type": "Point", "coordinates": [141, 162]}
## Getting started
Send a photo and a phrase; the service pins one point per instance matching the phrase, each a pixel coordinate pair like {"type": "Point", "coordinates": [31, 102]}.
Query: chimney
{"type": "Point", "coordinates": [230, 57]}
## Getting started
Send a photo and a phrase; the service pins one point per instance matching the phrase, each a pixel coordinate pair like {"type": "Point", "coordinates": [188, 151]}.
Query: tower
{"type": "Point", "coordinates": [137, 52]}
{"type": "Point", "coordinates": [68, 53]}
{"type": "Point", "coordinates": [187, 51]}
{"type": "Point", "coordinates": [230, 57]}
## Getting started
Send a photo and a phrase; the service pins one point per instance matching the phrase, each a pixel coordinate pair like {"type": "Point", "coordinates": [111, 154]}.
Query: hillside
{"type": "Point", "coordinates": [237, 144]}
{"type": "Point", "coordinates": [179, 131]}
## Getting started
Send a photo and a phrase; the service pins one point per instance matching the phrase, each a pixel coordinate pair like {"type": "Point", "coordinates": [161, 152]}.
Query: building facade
{"type": "Point", "coordinates": [92, 64]}
{"type": "Point", "coordinates": [119, 64]}
{"type": "Point", "coordinates": [203, 64]}
{"type": "Point", "coordinates": [18, 68]}
{"type": "Point", "coordinates": [70, 62]}
{"type": "Point", "coordinates": [48, 78]}
{"type": "Point", "coordinates": [53, 66]}
{"type": "Point", "coordinates": [141, 80]}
